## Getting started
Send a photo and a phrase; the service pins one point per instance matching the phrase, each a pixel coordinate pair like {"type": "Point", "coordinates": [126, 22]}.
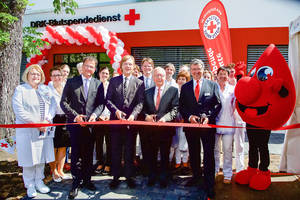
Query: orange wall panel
{"type": "Point", "coordinates": [240, 39]}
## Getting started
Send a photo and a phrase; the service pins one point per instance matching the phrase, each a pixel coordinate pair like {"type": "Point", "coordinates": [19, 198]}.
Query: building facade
{"type": "Point", "coordinates": [167, 30]}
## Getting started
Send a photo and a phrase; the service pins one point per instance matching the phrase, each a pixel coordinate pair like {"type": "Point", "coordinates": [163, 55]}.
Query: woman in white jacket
{"type": "Point", "coordinates": [33, 103]}
{"type": "Point", "coordinates": [225, 117]}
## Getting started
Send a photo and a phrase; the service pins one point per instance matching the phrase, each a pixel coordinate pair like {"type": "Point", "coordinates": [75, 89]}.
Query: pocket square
{"type": "Point", "coordinates": [207, 94]}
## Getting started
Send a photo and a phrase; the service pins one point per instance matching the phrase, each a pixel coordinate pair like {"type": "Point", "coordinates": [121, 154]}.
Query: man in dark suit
{"type": "Point", "coordinates": [82, 100]}
{"type": "Point", "coordinates": [200, 102]}
{"type": "Point", "coordinates": [124, 101]}
{"type": "Point", "coordinates": [161, 105]}
{"type": "Point", "coordinates": [147, 66]}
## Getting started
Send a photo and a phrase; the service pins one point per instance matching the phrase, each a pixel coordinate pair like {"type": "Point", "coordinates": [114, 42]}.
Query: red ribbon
{"type": "Point", "coordinates": [139, 123]}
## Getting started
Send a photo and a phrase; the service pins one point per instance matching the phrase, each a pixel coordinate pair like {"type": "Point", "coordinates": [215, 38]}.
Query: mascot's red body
{"type": "Point", "coordinates": [265, 99]}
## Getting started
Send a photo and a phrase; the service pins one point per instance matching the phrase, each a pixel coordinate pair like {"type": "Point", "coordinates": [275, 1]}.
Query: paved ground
{"type": "Point", "coordinates": [287, 187]}
{"type": "Point", "coordinates": [282, 187]}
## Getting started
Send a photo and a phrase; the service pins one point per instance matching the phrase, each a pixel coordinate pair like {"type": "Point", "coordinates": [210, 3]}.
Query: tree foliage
{"type": "Point", "coordinates": [12, 39]}
{"type": "Point", "coordinates": [65, 5]}
{"type": "Point", "coordinates": [31, 37]}
{"type": "Point", "coordinates": [8, 17]}
{"type": "Point", "coordinates": [31, 40]}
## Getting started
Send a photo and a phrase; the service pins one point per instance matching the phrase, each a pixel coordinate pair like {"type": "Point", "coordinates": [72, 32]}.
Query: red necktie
{"type": "Point", "coordinates": [157, 99]}
{"type": "Point", "coordinates": [197, 91]}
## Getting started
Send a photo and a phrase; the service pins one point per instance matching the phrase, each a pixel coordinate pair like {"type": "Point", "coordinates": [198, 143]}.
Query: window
{"type": "Point", "coordinates": [177, 55]}
{"type": "Point", "coordinates": [74, 58]}
{"type": "Point", "coordinates": [255, 51]}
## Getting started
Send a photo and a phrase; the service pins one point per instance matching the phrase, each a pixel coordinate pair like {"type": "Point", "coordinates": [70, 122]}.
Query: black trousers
{"type": "Point", "coordinates": [101, 133]}
{"type": "Point", "coordinates": [122, 141]}
{"type": "Point", "coordinates": [258, 148]}
{"type": "Point", "coordinates": [145, 138]}
{"type": "Point", "coordinates": [207, 136]}
{"type": "Point", "coordinates": [82, 144]}
{"type": "Point", "coordinates": [159, 141]}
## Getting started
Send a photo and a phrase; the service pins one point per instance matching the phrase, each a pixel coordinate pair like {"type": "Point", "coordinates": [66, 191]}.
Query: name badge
{"type": "Point", "coordinates": [206, 94]}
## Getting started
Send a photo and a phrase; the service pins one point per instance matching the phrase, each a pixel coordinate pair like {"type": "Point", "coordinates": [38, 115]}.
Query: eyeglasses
{"type": "Point", "coordinates": [34, 74]}
{"type": "Point", "coordinates": [56, 75]}
{"type": "Point", "coordinates": [89, 66]}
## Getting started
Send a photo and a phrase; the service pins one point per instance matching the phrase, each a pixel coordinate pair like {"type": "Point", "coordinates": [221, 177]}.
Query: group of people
{"type": "Point", "coordinates": [154, 97]}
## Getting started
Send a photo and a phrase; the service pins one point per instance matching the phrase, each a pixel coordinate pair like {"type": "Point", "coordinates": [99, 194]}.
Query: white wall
{"type": "Point", "coordinates": [174, 14]}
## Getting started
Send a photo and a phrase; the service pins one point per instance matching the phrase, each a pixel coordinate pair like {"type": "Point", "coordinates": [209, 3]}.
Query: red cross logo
{"type": "Point", "coordinates": [211, 27]}
{"type": "Point", "coordinates": [4, 145]}
{"type": "Point", "coordinates": [131, 17]}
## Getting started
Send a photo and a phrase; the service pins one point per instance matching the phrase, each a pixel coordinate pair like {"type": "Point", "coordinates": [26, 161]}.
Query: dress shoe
{"type": "Point", "coordinates": [89, 185]}
{"type": "Point", "coordinates": [151, 181]}
{"type": "Point", "coordinates": [41, 187]}
{"type": "Point", "coordinates": [31, 192]}
{"type": "Point", "coordinates": [131, 182]}
{"type": "Point", "coordinates": [99, 169]}
{"type": "Point", "coordinates": [106, 171]}
{"type": "Point", "coordinates": [163, 183]}
{"type": "Point", "coordinates": [114, 184]}
{"type": "Point", "coordinates": [73, 193]}
{"type": "Point", "coordinates": [192, 182]}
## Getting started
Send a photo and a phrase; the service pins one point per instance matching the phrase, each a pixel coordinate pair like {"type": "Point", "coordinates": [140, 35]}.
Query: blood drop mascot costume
{"type": "Point", "coordinates": [265, 101]}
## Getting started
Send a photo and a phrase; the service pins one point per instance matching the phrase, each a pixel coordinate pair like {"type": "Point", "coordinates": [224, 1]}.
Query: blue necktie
{"type": "Point", "coordinates": [147, 85]}
{"type": "Point", "coordinates": [86, 88]}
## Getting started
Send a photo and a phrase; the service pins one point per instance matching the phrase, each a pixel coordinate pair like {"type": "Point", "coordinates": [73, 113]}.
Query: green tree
{"type": "Point", "coordinates": [11, 47]}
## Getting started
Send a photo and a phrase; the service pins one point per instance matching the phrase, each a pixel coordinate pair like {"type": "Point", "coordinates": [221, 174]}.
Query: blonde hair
{"type": "Point", "coordinates": [125, 58]}
{"type": "Point", "coordinates": [149, 60]}
{"type": "Point", "coordinates": [137, 67]}
{"type": "Point", "coordinates": [206, 71]}
{"type": "Point", "coordinates": [171, 65]}
{"type": "Point", "coordinates": [36, 67]}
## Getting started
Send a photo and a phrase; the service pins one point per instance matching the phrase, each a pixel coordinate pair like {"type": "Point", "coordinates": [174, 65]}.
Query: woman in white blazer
{"type": "Point", "coordinates": [33, 103]}
{"type": "Point", "coordinates": [225, 117]}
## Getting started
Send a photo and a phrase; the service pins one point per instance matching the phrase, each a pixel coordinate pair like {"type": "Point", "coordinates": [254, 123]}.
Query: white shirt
{"type": "Point", "coordinates": [195, 83]}
{"type": "Point", "coordinates": [226, 115]}
{"type": "Point", "coordinates": [156, 92]}
{"type": "Point", "coordinates": [57, 98]}
{"type": "Point", "coordinates": [194, 86]}
{"type": "Point", "coordinates": [147, 81]}
{"type": "Point", "coordinates": [88, 86]}
{"type": "Point", "coordinates": [128, 79]}
{"type": "Point", "coordinates": [84, 80]}
{"type": "Point", "coordinates": [105, 87]}
{"type": "Point", "coordinates": [105, 112]}
{"type": "Point", "coordinates": [171, 83]}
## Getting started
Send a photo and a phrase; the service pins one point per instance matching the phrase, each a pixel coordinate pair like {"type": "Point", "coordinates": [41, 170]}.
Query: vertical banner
{"type": "Point", "coordinates": [215, 34]}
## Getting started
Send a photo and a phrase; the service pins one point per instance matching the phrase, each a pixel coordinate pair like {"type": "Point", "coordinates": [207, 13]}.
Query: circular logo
{"type": "Point", "coordinates": [212, 27]}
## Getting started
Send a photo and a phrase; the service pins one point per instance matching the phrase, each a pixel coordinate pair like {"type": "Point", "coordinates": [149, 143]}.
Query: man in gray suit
{"type": "Point", "coordinates": [82, 100]}
{"type": "Point", "coordinates": [124, 101]}
{"type": "Point", "coordinates": [161, 105]}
